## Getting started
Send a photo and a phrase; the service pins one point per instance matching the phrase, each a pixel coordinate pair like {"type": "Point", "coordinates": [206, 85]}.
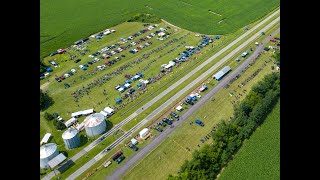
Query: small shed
{"type": "Point", "coordinates": [108, 110]}
{"type": "Point", "coordinates": [143, 132]}
{"type": "Point", "coordinates": [218, 76]}
{"type": "Point", "coordinates": [56, 160]}
{"type": "Point", "coordinates": [76, 114]}
{"type": "Point", "coordinates": [70, 122]}
{"type": "Point", "coordinates": [104, 113]}
{"type": "Point", "coordinates": [45, 138]}
{"type": "Point", "coordinates": [88, 111]}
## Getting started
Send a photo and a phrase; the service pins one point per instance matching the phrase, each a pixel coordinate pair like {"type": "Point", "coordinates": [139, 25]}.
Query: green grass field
{"type": "Point", "coordinates": [109, 140]}
{"type": "Point", "coordinates": [64, 104]}
{"type": "Point", "coordinates": [188, 136]}
{"type": "Point", "coordinates": [64, 22]}
{"type": "Point", "coordinates": [259, 157]}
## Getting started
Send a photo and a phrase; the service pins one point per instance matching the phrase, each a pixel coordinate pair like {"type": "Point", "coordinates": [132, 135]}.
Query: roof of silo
{"type": "Point", "coordinates": [47, 149]}
{"type": "Point", "coordinates": [69, 133]}
{"type": "Point", "coordinates": [93, 120]}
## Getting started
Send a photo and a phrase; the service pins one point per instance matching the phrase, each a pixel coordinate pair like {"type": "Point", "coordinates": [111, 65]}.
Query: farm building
{"type": "Point", "coordinates": [87, 112]}
{"type": "Point", "coordinates": [218, 76]}
{"type": "Point", "coordinates": [108, 110]}
{"type": "Point", "coordinates": [95, 124]}
{"type": "Point", "coordinates": [45, 138]}
{"type": "Point", "coordinates": [56, 160]}
{"type": "Point", "coordinates": [143, 132]}
{"type": "Point", "coordinates": [47, 152]}
{"type": "Point", "coordinates": [76, 114]}
{"type": "Point", "coordinates": [80, 126]}
{"type": "Point", "coordinates": [104, 113]}
{"type": "Point", "coordinates": [70, 122]}
{"type": "Point", "coordinates": [70, 138]}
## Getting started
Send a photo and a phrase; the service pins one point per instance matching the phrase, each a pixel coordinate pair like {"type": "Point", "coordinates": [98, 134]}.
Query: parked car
{"type": "Point", "coordinates": [135, 148]}
{"type": "Point", "coordinates": [121, 158]}
{"type": "Point", "coordinates": [117, 155]}
{"type": "Point", "coordinates": [190, 102]}
{"type": "Point", "coordinates": [131, 90]}
{"type": "Point", "coordinates": [157, 128]}
{"type": "Point", "coordinates": [77, 60]}
{"type": "Point", "coordinates": [199, 122]}
{"type": "Point", "coordinates": [174, 114]}
{"type": "Point", "coordinates": [162, 124]}
{"type": "Point", "coordinates": [167, 121]}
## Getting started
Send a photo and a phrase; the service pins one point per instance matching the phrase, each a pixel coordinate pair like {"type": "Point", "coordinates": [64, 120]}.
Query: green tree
{"type": "Point", "coordinates": [45, 100]}
{"type": "Point", "coordinates": [48, 116]}
{"type": "Point", "coordinates": [60, 125]}
{"type": "Point", "coordinates": [276, 56]}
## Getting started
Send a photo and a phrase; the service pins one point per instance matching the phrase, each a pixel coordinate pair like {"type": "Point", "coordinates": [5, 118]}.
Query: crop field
{"type": "Point", "coordinates": [188, 136]}
{"type": "Point", "coordinates": [64, 22]}
{"type": "Point", "coordinates": [259, 157]}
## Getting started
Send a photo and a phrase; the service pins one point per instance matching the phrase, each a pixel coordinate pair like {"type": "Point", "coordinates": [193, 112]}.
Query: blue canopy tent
{"type": "Point", "coordinates": [133, 79]}
{"type": "Point", "coordinates": [217, 37]}
{"type": "Point", "coordinates": [49, 69]}
{"type": "Point", "coordinates": [118, 100]}
{"type": "Point", "coordinates": [128, 81]}
{"type": "Point", "coordinates": [182, 57]}
{"type": "Point", "coordinates": [139, 85]}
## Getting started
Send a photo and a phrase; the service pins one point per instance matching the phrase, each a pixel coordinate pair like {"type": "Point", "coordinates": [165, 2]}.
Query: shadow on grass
{"type": "Point", "coordinates": [83, 140]}
{"type": "Point", "coordinates": [65, 166]}
{"type": "Point", "coordinates": [109, 126]}
{"type": "Point", "coordinates": [64, 153]}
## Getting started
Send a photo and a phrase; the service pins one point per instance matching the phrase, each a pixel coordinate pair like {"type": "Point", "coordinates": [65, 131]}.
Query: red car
{"type": "Point", "coordinates": [60, 51]}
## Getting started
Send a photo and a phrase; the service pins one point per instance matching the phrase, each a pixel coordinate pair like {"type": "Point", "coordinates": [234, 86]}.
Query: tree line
{"type": "Point", "coordinates": [207, 162]}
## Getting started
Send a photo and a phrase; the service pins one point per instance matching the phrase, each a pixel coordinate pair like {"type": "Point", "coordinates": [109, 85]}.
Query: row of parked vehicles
{"type": "Point", "coordinates": [166, 121]}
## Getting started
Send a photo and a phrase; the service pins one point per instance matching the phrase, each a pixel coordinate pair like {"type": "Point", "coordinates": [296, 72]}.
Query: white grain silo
{"type": "Point", "coordinates": [70, 138]}
{"type": "Point", "coordinates": [47, 152]}
{"type": "Point", "coordinates": [95, 124]}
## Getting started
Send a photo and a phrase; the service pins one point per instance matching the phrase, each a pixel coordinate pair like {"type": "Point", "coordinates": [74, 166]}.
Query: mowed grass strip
{"type": "Point", "coordinates": [63, 23]}
{"type": "Point", "coordinates": [259, 157]}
